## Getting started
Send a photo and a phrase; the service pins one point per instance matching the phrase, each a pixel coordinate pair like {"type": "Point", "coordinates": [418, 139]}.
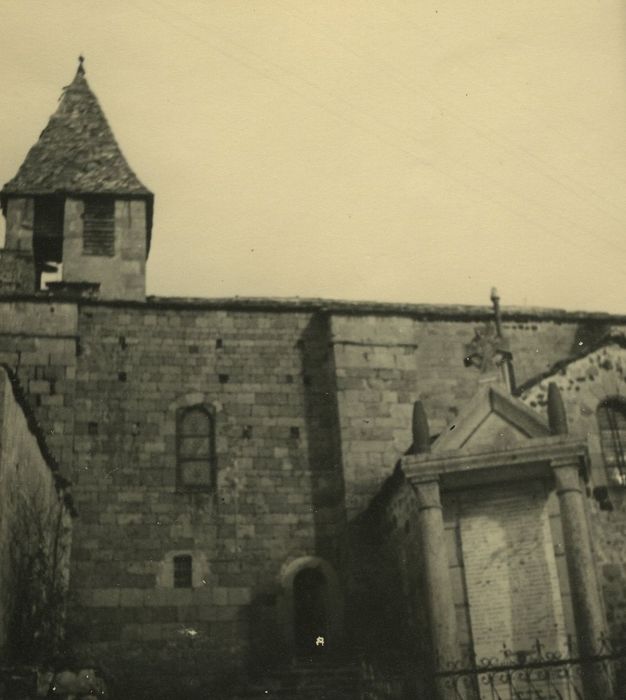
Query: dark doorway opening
{"type": "Point", "coordinates": [310, 613]}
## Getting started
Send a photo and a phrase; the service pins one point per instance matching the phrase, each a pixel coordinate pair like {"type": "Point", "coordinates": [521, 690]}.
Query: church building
{"type": "Point", "coordinates": [297, 498]}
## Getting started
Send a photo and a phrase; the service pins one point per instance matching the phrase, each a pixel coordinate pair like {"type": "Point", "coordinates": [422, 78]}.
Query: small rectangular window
{"type": "Point", "coordinates": [182, 571]}
{"type": "Point", "coordinates": [99, 227]}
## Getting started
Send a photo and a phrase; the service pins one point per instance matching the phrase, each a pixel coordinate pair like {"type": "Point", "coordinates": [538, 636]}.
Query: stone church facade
{"type": "Point", "coordinates": [257, 480]}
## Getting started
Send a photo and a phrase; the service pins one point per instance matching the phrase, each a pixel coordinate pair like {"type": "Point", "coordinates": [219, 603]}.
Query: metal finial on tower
{"type": "Point", "coordinates": [81, 68]}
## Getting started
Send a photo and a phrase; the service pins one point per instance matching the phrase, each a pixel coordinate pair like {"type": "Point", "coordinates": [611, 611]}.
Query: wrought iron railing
{"type": "Point", "coordinates": [538, 674]}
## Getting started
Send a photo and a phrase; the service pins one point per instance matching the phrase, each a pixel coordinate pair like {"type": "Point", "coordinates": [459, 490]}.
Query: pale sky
{"type": "Point", "coordinates": [411, 151]}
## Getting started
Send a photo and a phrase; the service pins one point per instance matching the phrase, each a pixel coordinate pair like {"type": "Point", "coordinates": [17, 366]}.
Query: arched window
{"type": "Point", "coordinates": [195, 448]}
{"type": "Point", "coordinates": [612, 425]}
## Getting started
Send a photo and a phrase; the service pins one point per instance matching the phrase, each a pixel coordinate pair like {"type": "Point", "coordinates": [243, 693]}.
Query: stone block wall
{"type": "Point", "coordinates": [584, 384]}
{"type": "Point", "coordinates": [39, 341]}
{"type": "Point", "coordinates": [20, 216]}
{"type": "Point", "coordinates": [278, 489]}
{"type": "Point", "coordinates": [507, 570]}
{"type": "Point", "coordinates": [402, 540]}
{"type": "Point", "coordinates": [503, 568]}
{"type": "Point", "coordinates": [312, 410]}
{"type": "Point", "coordinates": [17, 272]}
{"type": "Point", "coordinates": [383, 364]}
{"type": "Point", "coordinates": [388, 620]}
{"type": "Point", "coordinates": [122, 275]}
{"type": "Point", "coordinates": [33, 504]}
{"type": "Point", "coordinates": [376, 375]}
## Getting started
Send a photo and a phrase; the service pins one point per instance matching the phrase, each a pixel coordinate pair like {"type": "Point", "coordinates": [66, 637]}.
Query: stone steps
{"type": "Point", "coordinates": [314, 681]}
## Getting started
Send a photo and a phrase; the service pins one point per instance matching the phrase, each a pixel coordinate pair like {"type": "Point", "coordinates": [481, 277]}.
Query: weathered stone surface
{"type": "Point", "coordinates": [584, 383]}
{"type": "Point", "coordinates": [17, 272]}
{"type": "Point", "coordinates": [34, 515]}
{"type": "Point", "coordinates": [312, 411]}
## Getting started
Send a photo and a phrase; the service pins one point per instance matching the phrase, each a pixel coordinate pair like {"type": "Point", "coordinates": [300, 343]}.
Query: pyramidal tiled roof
{"type": "Point", "coordinates": [76, 152]}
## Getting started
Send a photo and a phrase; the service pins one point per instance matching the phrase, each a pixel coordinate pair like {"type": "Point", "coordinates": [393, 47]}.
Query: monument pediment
{"type": "Point", "coordinates": [494, 420]}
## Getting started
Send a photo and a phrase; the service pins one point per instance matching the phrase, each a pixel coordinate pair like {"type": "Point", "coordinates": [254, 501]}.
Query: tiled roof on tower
{"type": "Point", "coordinates": [76, 152]}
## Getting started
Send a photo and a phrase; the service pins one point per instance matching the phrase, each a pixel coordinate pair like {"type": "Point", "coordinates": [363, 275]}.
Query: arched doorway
{"type": "Point", "coordinates": [310, 607]}
{"type": "Point", "coordinates": [310, 600]}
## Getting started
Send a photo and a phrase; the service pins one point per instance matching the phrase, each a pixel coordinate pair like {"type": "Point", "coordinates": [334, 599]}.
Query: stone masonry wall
{"type": "Point", "coordinates": [278, 481]}
{"type": "Point", "coordinates": [17, 272]}
{"type": "Point", "coordinates": [384, 363]}
{"type": "Point", "coordinates": [312, 409]}
{"type": "Point", "coordinates": [584, 384]}
{"type": "Point", "coordinates": [27, 491]}
{"type": "Point", "coordinates": [386, 581]}
{"type": "Point", "coordinates": [401, 527]}
{"type": "Point", "coordinates": [39, 341]}
{"type": "Point", "coordinates": [121, 276]}
{"type": "Point", "coordinates": [510, 573]}
{"type": "Point", "coordinates": [19, 224]}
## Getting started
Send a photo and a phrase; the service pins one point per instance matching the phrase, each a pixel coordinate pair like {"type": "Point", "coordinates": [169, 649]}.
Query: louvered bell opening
{"type": "Point", "coordinates": [99, 227]}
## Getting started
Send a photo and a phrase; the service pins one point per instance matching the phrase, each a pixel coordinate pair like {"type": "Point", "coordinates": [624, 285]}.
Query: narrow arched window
{"type": "Point", "coordinates": [195, 448]}
{"type": "Point", "coordinates": [612, 425]}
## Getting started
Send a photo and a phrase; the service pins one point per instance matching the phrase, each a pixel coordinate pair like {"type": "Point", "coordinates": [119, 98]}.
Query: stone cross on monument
{"type": "Point", "coordinates": [489, 350]}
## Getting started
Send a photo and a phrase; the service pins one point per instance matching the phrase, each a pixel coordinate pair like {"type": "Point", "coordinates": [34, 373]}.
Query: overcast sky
{"type": "Point", "coordinates": [397, 150]}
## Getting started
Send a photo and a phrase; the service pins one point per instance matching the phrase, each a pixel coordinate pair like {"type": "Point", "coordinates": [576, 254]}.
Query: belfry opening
{"type": "Point", "coordinates": [78, 220]}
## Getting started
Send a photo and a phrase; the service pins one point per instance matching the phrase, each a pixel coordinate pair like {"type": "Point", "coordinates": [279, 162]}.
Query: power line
{"type": "Point", "coordinates": [328, 107]}
{"type": "Point", "coordinates": [500, 139]}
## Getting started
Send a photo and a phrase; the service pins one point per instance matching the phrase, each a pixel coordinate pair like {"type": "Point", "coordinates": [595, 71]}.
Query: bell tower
{"type": "Point", "coordinates": [78, 220]}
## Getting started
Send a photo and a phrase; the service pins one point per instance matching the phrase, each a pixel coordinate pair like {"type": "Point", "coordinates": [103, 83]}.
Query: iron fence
{"type": "Point", "coordinates": [538, 674]}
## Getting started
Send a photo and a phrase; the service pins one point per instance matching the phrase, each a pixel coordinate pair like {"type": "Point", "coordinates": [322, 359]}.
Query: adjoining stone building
{"type": "Point", "coordinates": [248, 483]}
{"type": "Point", "coordinates": [35, 532]}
